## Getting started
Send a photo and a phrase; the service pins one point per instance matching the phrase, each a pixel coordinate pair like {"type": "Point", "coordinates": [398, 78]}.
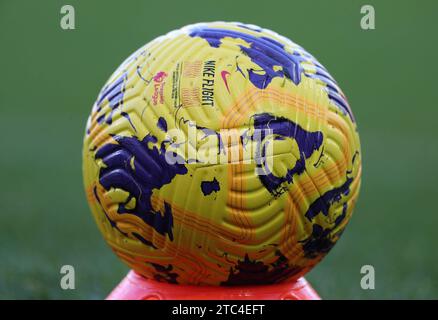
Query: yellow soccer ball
{"type": "Point", "coordinates": [221, 154]}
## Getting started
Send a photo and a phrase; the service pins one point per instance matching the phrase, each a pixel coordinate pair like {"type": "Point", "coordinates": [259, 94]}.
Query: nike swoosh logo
{"type": "Point", "coordinates": [224, 75]}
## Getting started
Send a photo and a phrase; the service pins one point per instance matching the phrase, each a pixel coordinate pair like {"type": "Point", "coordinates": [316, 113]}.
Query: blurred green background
{"type": "Point", "coordinates": [49, 79]}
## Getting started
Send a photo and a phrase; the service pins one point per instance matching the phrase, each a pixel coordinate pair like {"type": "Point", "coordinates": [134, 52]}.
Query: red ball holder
{"type": "Point", "coordinates": [136, 287]}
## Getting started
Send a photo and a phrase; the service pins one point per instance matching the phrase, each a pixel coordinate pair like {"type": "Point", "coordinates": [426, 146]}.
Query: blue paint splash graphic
{"type": "Point", "coordinates": [268, 53]}
{"type": "Point", "coordinates": [250, 272]}
{"type": "Point", "coordinates": [308, 143]}
{"type": "Point", "coordinates": [324, 202]}
{"type": "Point", "coordinates": [265, 52]}
{"type": "Point", "coordinates": [114, 94]}
{"type": "Point", "coordinates": [139, 167]}
{"type": "Point", "coordinates": [322, 240]}
{"type": "Point", "coordinates": [162, 124]}
{"type": "Point", "coordinates": [208, 187]}
{"type": "Point", "coordinates": [332, 89]}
